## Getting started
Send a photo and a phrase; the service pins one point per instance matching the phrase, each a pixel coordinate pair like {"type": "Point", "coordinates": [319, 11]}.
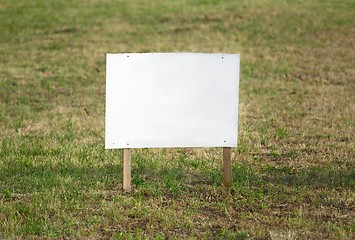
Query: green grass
{"type": "Point", "coordinates": [293, 169]}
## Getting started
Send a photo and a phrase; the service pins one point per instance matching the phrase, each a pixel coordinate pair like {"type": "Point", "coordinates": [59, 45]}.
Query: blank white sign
{"type": "Point", "coordinates": [156, 100]}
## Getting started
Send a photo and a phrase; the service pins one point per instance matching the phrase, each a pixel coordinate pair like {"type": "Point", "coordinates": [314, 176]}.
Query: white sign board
{"type": "Point", "coordinates": [156, 100]}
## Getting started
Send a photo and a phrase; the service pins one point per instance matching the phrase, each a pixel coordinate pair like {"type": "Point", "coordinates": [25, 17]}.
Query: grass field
{"type": "Point", "coordinates": [293, 169]}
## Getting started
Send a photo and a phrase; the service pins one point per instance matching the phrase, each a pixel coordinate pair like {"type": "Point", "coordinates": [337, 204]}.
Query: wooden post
{"type": "Point", "coordinates": [127, 152]}
{"type": "Point", "coordinates": [227, 167]}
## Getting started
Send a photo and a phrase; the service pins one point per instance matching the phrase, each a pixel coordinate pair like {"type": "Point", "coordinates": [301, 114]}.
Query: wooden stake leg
{"type": "Point", "coordinates": [127, 169]}
{"type": "Point", "coordinates": [227, 167]}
